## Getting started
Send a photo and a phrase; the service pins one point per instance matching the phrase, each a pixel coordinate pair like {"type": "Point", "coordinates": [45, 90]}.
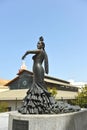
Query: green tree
{"type": "Point", "coordinates": [81, 99]}
{"type": "Point", "coordinates": [53, 91]}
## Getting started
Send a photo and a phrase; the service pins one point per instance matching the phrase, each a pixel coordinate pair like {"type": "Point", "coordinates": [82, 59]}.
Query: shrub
{"type": "Point", "coordinates": [3, 106]}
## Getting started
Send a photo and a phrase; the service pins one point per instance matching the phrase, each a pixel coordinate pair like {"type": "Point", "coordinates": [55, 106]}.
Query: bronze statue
{"type": "Point", "coordinates": [38, 100]}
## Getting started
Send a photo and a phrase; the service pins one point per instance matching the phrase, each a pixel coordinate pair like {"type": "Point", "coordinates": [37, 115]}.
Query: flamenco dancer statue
{"type": "Point", "coordinates": [38, 100]}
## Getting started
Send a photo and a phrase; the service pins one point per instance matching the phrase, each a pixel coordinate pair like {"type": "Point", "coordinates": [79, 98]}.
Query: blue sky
{"type": "Point", "coordinates": [62, 23]}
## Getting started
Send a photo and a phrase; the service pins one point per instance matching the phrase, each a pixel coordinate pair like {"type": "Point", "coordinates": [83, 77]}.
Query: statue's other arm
{"type": "Point", "coordinates": [30, 52]}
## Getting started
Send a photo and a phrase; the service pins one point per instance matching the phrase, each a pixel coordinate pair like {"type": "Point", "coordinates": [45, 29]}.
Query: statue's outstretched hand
{"type": "Point", "coordinates": [27, 52]}
{"type": "Point", "coordinates": [23, 57]}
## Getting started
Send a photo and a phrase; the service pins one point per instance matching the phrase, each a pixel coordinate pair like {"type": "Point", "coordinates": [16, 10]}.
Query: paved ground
{"type": "Point", "coordinates": [4, 121]}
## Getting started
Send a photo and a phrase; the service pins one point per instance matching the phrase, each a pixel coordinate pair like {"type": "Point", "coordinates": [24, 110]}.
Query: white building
{"type": "Point", "coordinates": [78, 84]}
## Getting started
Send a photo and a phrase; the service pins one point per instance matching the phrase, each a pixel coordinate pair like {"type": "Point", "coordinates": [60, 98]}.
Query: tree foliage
{"type": "Point", "coordinates": [53, 91]}
{"type": "Point", "coordinates": [81, 99]}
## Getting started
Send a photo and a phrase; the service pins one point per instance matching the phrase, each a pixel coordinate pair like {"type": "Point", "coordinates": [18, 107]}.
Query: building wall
{"type": "Point", "coordinates": [2, 90]}
{"type": "Point", "coordinates": [66, 95]}
{"type": "Point", "coordinates": [62, 87]}
{"type": "Point", "coordinates": [15, 104]}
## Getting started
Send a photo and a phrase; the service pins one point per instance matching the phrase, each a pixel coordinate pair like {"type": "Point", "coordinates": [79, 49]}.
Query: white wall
{"type": "Point", "coordinates": [66, 95]}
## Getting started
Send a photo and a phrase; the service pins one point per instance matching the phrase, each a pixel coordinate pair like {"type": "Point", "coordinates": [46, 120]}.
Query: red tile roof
{"type": "Point", "coordinates": [3, 81]}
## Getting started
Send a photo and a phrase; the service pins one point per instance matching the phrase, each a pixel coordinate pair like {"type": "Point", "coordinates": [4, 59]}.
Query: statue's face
{"type": "Point", "coordinates": [39, 45]}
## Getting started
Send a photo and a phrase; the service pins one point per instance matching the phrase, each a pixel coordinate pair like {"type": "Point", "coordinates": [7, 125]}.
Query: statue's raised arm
{"type": "Point", "coordinates": [30, 52]}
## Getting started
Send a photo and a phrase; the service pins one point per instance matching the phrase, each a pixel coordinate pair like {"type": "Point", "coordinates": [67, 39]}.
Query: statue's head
{"type": "Point", "coordinates": [41, 44]}
{"type": "Point", "coordinates": [41, 39]}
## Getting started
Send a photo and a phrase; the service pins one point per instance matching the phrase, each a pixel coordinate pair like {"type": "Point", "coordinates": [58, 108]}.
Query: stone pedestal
{"type": "Point", "coordinates": [68, 121]}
